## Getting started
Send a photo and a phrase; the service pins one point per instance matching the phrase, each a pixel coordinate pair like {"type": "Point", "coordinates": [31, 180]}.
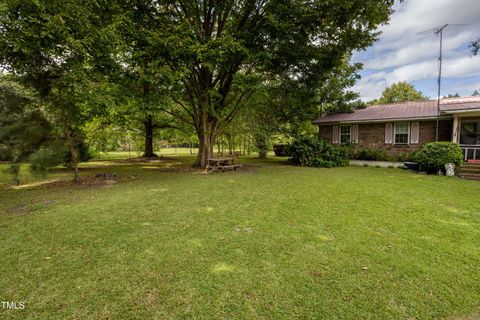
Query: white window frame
{"type": "Point", "coordinates": [395, 133]}
{"type": "Point", "coordinates": [341, 134]}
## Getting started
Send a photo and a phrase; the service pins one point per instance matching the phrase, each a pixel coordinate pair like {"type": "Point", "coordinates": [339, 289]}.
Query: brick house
{"type": "Point", "coordinates": [401, 128]}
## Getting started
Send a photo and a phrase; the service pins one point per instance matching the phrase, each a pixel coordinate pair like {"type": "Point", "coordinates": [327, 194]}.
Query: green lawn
{"type": "Point", "coordinates": [161, 152]}
{"type": "Point", "coordinates": [270, 242]}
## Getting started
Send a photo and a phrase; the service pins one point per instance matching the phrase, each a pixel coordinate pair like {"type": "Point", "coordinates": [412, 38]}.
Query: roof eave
{"type": "Point", "coordinates": [319, 123]}
{"type": "Point", "coordinates": [453, 111]}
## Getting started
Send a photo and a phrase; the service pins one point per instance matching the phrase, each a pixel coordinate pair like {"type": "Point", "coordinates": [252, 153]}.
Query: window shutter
{"type": "Point", "coordinates": [335, 135]}
{"type": "Point", "coordinates": [389, 133]}
{"type": "Point", "coordinates": [355, 133]}
{"type": "Point", "coordinates": [414, 132]}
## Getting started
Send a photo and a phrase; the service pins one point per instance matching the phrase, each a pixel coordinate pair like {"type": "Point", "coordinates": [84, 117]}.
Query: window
{"type": "Point", "coordinates": [402, 132]}
{"type": "Point", "coordinates": [345, 134]}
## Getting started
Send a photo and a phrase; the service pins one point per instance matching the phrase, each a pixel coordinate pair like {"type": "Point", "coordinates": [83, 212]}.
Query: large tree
{"type": "Point", "coordinates": [222, 47]}
{"type": "Point", "coordinates": [399, 92]}
{"type": "Point", "coordinates": [58, 48]}
{"type": "Point", "coordinates": [141, 71]}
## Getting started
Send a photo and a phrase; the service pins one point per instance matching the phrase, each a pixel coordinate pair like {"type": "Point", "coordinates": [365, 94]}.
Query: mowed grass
{"type": "Point", "coordinates": [172, 151]}
{"type": "Point", "coordinates": [270, 242]}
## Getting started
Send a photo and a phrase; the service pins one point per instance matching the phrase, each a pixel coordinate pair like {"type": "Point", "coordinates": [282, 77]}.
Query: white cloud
{"type": "Point", "coordinates": [466, 86]}
{"type": "Point", "coordinates": [417, 50]}
{"type": "Point", "coordinates": [402, 54]}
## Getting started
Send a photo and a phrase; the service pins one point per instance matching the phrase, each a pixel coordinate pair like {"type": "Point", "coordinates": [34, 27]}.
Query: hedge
{"type": "Point", "coordinates": [314, 152]}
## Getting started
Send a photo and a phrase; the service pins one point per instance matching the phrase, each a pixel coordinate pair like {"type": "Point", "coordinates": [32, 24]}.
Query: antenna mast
{"type": "Point", "coordinates": [438, 31]}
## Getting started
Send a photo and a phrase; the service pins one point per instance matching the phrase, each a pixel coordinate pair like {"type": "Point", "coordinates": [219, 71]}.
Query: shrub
{"type": "Point", "coordinates": [315, 152]}
{"type": "Point", "coordinates": [280, 150]}
{"type": "Point", "coordinates": [84, 154]}
{"type": "Point", "coordinates": [14, 171]}
{"type": "Point", "coordinates": [5, 154]}
{"type": "Point", "coordinates": [47, 157]}
{"type": "Point", "coordinates": [404, 157]}
{"type": "Point", "coordinates": [372, 154]}
{"type": "Point", "coordinates": [435, 155]}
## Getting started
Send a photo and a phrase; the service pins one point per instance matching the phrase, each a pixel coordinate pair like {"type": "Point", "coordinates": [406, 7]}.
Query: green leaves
{"type": "Point", "coordinates": [475, 46]}
{"type": "Point", "coordinates": [311, 151]}
{"type": "Point", "coordinates": [199, 61]}
{"type": "Point", "coordinates": [435, 155]}
{"type": "Point", "coordinates": [400, 92]}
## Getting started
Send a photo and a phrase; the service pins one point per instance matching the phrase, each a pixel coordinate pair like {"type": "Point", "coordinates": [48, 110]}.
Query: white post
{"type": "Point", "coordinates": [456, 129]}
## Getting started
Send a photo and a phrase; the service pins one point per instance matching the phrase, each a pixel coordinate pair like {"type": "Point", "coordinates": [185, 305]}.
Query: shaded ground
{"type": "Point", "coordinates": [164, 241]}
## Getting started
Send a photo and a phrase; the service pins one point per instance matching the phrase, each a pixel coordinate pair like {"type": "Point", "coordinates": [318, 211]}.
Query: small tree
{"type": "Point", "coordinates": [475, 46]}
{"type": "Point", "coordinates": [400, 92]}
{"type": "Point", "coordinates": [23, 126]}
{"type": "Point", "coordinates": [57, 47]}
{"type": "Point", "coordinates": [450, 95]}
{"type": "Point", "coordinates": [28, 133]}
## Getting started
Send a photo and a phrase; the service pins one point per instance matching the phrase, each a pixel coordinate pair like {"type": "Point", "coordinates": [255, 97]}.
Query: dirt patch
{"type": "Point", "coordinates": [244, 168]}
{"type": "Point", "coordinates": [30, 208]}
{"type": "Point", "coordinates": [317, 274]}
{"type": "Point", "coordinates": [85, 182]}
{"type": "Point", "coordinates": [473, 316]}
{"type": "Point", "coordinates": [18, 210]}
{"type": "Point", "coordinates": [248, 168]}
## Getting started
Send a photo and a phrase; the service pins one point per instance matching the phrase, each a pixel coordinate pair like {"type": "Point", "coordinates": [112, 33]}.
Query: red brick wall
{"type": "Point", "coordinates": [372, 135]}
{"type": "Point", "coordinates": [326, 132]}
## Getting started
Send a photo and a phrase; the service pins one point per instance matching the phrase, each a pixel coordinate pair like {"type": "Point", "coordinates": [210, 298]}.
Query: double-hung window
{"type": "Point", "coordinates": [345, 134]}
{"type": "Point", "coordinates": [402, 133]}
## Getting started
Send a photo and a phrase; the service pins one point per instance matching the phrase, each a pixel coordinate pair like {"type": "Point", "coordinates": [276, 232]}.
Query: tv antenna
{"type": "Point", "coordinates": [438, 32]}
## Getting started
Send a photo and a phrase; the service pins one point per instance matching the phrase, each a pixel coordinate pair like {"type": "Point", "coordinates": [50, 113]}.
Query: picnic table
{"type": "Point", "coordinates": [222, 164]}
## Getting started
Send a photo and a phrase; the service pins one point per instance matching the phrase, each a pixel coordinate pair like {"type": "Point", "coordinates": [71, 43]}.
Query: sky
{"type": "Point", "coordinates": [402, 54]}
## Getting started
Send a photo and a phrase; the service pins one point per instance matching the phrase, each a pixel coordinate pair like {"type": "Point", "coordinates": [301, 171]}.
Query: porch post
{"type": "Point", "coordinates": [456, 129]}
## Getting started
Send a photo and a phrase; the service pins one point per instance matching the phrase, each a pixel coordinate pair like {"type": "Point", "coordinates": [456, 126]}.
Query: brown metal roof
{"type": "Point", "coordinates": [465, 103]}
{"type": "Point", "coordinates": [403, 110]}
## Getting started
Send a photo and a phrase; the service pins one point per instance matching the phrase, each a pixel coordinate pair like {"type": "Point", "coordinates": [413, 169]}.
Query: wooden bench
{"type": "Point", "coordinates": [222, 164]}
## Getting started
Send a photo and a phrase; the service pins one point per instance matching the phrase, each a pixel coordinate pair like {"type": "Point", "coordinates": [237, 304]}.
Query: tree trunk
{"type": "Point", "coordinates": [262, 154]}
{"type": "Point", "coordinates": [205, 150]}
{"type": "Point", "coordinates": [148, 152]}
{"type": "Point", "coordinates": [230, 151]}
{"type": "Point", "coordinates": [206, 137]}
{"type": "Point", "coordinates": [244, 144]}
{"type": "Point", "coordinates": [262, 145]}
{"type": "Point", "coordinates": [72, 144]}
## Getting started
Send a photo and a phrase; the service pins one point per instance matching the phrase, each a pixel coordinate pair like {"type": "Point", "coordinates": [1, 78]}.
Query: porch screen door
{"type": "Point", "coordinates": [470, 132]}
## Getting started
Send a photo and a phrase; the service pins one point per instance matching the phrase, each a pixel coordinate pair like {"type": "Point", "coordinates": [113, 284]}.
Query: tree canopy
{"type": "Point", "coordinates": [226, 48]}
{"type": "Point", "coordinates": [200, 62]}
{"type": "Point", "coordinates": [452, 95]}
{"type": "Point", "coordinates": [475, 46]}
{"type": "Point", "coordinates": [60, 49]}
{"type": "Point", "coordinates": [399, 92]}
